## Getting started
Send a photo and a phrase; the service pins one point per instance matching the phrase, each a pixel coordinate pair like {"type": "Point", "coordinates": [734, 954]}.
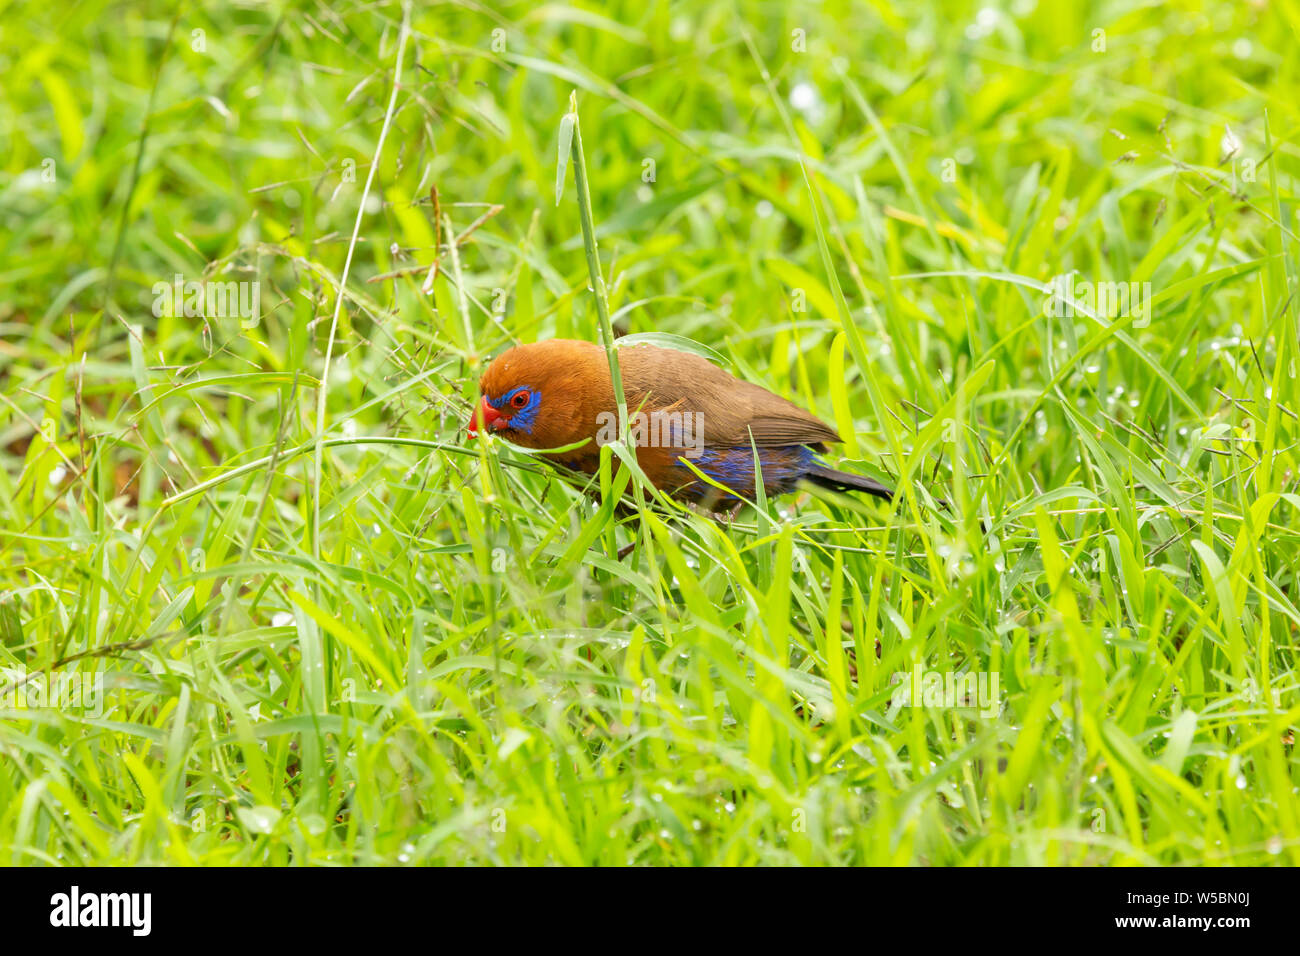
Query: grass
{"type": "Point", "coordinates": [329, 629]}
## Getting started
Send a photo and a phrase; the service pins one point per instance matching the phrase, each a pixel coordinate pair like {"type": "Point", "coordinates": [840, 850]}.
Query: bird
{"type": "Point", "coordinates": [681, 407]}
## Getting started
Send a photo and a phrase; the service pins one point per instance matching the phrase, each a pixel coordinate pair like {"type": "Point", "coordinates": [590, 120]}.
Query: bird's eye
{"type": "Point", "coordinates": [519, 400]}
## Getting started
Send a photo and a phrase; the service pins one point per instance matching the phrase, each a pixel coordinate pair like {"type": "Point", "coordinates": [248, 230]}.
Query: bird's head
{"type": "Point", "coordinates": [543, 395]}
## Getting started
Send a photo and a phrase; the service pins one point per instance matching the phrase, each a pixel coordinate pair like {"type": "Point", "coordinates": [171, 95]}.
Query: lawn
{"type": "Point", "coordinates": [263, 602]}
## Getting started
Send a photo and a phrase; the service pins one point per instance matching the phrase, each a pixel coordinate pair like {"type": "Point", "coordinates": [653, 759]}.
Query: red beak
{"type": "Point", "coordinates": [488, 414]}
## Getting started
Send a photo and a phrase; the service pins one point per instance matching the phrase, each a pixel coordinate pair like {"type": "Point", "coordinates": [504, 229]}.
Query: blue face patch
{"type": "Point", "coordinates": [519, 417]}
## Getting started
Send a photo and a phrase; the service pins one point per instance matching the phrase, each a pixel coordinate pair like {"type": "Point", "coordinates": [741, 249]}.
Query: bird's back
{"type": "Point", "coordinates": [729, 409]}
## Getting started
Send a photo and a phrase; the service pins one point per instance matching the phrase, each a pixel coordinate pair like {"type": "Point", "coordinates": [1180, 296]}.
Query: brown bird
{"type": "Point", "coordinates": [680, 406]}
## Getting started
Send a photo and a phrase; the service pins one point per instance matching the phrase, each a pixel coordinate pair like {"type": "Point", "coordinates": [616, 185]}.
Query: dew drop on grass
{"type": "Point", "coordinates": [804, 97]}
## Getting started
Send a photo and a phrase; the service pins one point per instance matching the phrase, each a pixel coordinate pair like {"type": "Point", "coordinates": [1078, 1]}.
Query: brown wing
{"type": "Point", "coordinates": [730, 408]}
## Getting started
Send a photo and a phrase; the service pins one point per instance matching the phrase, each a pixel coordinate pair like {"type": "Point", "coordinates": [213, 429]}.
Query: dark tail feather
{"type": "Point", "coordinates": [845, 481]}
